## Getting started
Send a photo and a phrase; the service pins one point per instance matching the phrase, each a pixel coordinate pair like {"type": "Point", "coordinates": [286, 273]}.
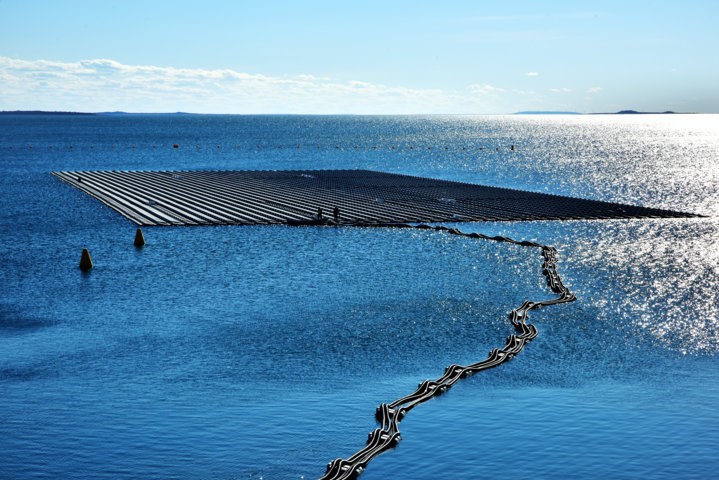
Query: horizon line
{"type": "Point", "coordinates": [521, 112]}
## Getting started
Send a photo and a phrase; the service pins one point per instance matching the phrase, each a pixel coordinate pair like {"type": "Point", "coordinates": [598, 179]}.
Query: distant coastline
{"type": "Point", "coordinates": [41, 112]}
{"type": "Point", "coordinates": [621, 112]}
{"type": "Point", "coordinates": [528, 112]}
{"type": "Point", "coordinates": [635, 112]}
{"type": "Point", "coordinates": [47, 112]}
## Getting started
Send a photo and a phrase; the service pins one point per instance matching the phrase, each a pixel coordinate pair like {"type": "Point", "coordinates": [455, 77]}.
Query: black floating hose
{"type": "Point", "coordinates": [389, 415]}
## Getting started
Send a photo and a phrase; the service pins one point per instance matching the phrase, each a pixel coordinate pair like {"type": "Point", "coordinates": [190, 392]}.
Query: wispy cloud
{"type": "Point", "coordinates": [108, 85]}
{"type": "Point", "coordinates": [484, 90]}
{"type": "Point", "coordinates": [594, 89]}
{"type": "Point", "coordinates": [104, 84]}
{"type": "Point", "coordinates": [531, 74]}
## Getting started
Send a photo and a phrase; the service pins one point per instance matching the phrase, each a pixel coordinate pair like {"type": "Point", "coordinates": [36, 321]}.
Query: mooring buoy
{"type": "Point", "coordinates": [85, 260]}
{"type": "Point", "coordinates": [139, 238]}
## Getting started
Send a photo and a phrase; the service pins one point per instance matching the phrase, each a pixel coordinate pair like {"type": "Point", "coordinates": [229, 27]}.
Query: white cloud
{"type": "Point", "coordinates": [105, 85]}
{"type": "Point", "coordinates": [531, 74]}
{"type": "Point", "coordinates": [97, 85]}
{"type": "Point", "coordinates": [560, 90]}
{"type": "Point", "coordinates": [594, 89]}
{"type": "Point", "coordinates": [483, 90]}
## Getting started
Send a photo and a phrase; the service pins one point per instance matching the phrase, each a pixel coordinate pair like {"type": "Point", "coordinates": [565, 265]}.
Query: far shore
{"type": "Point", "coordinates": [528, 112]}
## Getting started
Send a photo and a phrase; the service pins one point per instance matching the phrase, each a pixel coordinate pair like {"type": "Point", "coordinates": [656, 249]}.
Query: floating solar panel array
{"type": "Point", "coordinates": [359, 197]}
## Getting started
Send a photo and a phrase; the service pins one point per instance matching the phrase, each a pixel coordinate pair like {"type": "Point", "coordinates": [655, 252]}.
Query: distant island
{"type": "Point", "coordinates": [46, 112]}
{"type": "Point", "coordinates": [634, 112]}
{"type": "Point", "coordinates": [621, 112]}
{"type": "Point", "coordinates": [528, 112]}
{"type": "Point", "coordinates": [40, 112]}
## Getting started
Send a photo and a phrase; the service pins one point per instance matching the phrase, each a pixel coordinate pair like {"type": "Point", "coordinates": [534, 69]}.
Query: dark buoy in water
{"type": "Point", "coordinates": [85, 260]}
{"type": "Point", "coordinates": [511, 148]}
{"type": "Point", "coordinates": [175, 145]}
{"type": "Point", "coordinates": [139, 238]}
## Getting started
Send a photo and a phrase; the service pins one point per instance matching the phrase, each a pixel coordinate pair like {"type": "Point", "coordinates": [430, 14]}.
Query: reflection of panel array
{"type": "Point", "coordinates": [362, 196]}
{"type": "Point", "coordinates": [389, 415]}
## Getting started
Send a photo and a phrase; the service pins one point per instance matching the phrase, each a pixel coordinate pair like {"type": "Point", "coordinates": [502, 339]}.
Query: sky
{"type": "Point", "coordinates": [368, 57]}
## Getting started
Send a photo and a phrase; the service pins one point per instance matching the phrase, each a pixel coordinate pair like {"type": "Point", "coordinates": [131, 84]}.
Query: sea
{"type": "Point", "coordinates": [261, 352]}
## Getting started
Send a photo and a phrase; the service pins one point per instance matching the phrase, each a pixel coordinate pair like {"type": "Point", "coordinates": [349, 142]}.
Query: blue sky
{"type": "Point", "coordinates": [467, 57]}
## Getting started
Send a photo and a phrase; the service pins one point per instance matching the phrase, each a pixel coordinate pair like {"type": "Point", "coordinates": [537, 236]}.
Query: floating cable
{"type": "Point", "coordinates": [389, 415]}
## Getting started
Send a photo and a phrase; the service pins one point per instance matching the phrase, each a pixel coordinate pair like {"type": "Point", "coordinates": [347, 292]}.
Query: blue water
{"type": "Point", "coordinates": [262, 352]}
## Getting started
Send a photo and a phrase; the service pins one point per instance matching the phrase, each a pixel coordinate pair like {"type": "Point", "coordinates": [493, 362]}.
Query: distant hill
{"type": "Point", "coordinates": [45, 112]}
{"type": "Point", "coordinates": [634, 112]}
{"type": "Point", "coordinates": [546, 112]}
{"type": "Point", "coordinates": [621, 112]}
{"type": "Point", "coordinates": [41, 112]}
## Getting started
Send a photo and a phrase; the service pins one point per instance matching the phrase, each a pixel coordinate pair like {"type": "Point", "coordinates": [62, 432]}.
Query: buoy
{"type": "Point", "coordinates": [85, 260]}
{"type": "Point", "coordinates": [175, 145]}
{"type": "Point", "coordinates": [139, 238]}
{"type": "Point", "coordinates": [512, 148]}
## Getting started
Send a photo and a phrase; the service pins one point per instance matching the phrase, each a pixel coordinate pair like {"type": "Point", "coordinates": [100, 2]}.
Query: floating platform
{"type": "Point", "coordinates": [294, 197]}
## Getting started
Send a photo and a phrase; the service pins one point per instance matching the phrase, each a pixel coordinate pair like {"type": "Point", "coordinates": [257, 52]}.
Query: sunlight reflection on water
{"type": "Point", "coordinates": [238, 352]}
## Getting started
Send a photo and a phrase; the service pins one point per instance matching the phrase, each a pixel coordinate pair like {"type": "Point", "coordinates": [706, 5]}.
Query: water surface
{"type": "Point", "coordinates": [262, 352]}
